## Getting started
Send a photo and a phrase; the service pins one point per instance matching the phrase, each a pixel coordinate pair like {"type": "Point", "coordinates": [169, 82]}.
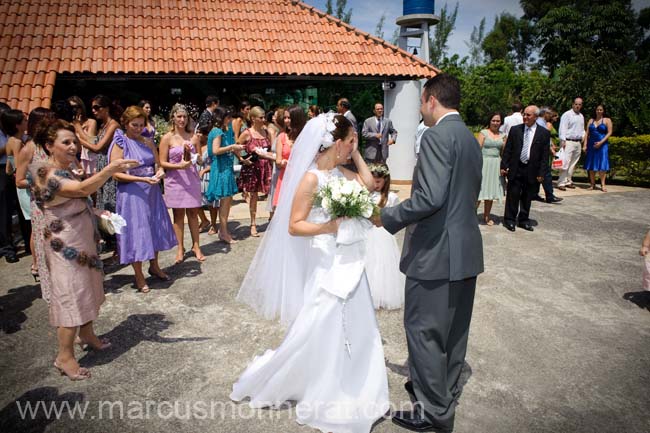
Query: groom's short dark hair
{"type": "Point", "coordinates": [445, 88]}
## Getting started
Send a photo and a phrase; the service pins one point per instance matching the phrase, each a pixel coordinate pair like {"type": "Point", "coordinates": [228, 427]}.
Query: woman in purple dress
{"type": "Point", "coordinates": [139, 200]}
{"type": "Point", "coordinates": [149, 130]}
{"type": "Point", "coordinates": [182, 182]}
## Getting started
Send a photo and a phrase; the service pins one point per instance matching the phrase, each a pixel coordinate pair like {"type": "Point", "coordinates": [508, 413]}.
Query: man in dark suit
{"type": "Point", "coordinates": [379, 134]}
{"type": "Point", "coordinates": [205, 119]}
{"type": "Point", "coordinates": [524, 162]}
{"type": "Point", "coordinates": [441, 257]}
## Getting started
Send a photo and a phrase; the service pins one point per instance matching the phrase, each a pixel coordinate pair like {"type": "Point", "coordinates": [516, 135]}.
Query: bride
{"type": "Point", "coordinates": [331, 362]}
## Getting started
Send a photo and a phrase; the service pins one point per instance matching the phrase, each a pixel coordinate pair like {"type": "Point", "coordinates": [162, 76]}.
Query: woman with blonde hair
{"type": "Point", "coordinates": [182, 183]}
{"type": "Point", "coordinates": [139, 200]}
{"type": "Point", "coordinates": [256, 168]}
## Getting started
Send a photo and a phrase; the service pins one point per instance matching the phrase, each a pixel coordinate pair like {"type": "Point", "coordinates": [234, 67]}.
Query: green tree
{"type": "Point", "coordinates": [598, 26]}
{"type": "Point", "coordinates": [474, 44]}
{"type": "Point", "coordinates": [511, 39]}
{"type": "Point", "coordinates": [341, 12]}
{"type": "Point", "coordinates": [379, 30]}
{"type": "Point", "coordinates": [329, 7]}
{"type": "Point", "coordinates": [438, 44]}
{"type": "Point", "coordinates": [395, 38]}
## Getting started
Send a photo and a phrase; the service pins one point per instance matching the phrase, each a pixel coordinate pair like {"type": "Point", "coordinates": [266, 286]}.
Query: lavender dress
{"type": "Point", "coordinates": [182, 187]}
{"type": "Point", "coordinates": [148, 227]}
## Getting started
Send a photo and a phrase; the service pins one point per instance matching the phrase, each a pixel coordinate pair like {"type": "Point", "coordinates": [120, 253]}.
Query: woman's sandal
{"type": "Point", "coordinates": [254, 232]}
{"type": "Point", "coordinates": [144, 289]}
{"type": "Point", "coordinates": [106, 343]}
{"type": "Point", "coordinates": [230, 241]}
{"type": "Point", "coordinates": [35, 274]}
{"type": "Point", "coordinates": [177, 261]}
{"type": "Point", "coordinates": [200, 257]}
{"type": "Point", "coordinates": [81, 374]}
{"type": "Point", "coordinates": [161, 276]}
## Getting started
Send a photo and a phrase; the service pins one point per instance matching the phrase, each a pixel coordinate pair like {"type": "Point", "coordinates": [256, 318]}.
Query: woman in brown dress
{"type": "Point", "coordinates": [70, 243]}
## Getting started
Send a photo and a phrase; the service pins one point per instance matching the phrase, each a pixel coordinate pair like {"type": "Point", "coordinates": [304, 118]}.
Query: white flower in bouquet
{"type": "Point", "coordinates": [345, 198]}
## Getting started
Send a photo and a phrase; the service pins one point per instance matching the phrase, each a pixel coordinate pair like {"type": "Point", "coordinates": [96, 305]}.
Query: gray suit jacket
{"type": "Point", "coordinates": [348, 115]}
{"type": "Point", "coordinates": [442, 240]}
{"type": "Point", "coordinates": [374, 144]}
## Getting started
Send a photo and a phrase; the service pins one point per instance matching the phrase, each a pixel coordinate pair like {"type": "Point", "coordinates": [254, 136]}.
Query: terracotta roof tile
{"type": "Point", "coordinates": [229, 37]}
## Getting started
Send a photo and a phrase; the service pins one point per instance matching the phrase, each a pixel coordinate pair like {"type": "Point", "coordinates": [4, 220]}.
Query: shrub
{"type": "Point", "coordinates": [630, 157]}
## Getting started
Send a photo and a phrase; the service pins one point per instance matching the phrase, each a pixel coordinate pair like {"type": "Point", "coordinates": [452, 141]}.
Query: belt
{"type": "Point", "coordinates": [574, 139]}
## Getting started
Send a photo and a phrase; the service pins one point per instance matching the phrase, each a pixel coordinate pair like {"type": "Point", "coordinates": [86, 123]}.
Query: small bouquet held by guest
{"type": "Point", "coordinates": [111, 223]}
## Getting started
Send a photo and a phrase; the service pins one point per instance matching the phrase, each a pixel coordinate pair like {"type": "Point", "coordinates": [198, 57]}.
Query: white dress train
{"type": "Point", "coordinates": [331, 362]}
{"type": "Point", "coordinates": [382, 264]}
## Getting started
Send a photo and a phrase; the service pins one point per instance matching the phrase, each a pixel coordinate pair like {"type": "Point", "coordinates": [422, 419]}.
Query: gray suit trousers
{"type": "Point", "coordinates": [437, 315]}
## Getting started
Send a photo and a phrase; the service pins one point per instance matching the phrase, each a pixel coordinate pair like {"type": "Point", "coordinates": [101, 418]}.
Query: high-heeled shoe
{"type": "Point", "coordinates": [81, 374]}
{"type": "Point", "coordinates": [35, 274]}
{"type": "Point", "coordinates": [161, 276]}
{"type": "Point", "coordinates": [199, 256]}
{"type": "Point", "coordinates": [177, 261]}
{"type": "Point", "coordinates": [105, 344]}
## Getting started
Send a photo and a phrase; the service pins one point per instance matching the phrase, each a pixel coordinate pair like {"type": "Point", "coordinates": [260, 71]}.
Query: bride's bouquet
{"type": "Point", "coordinates": [345, 198]}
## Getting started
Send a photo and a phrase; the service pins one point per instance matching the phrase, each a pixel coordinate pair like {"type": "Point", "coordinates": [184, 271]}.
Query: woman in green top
{"type": "Point", "coordinates": [492, 184]}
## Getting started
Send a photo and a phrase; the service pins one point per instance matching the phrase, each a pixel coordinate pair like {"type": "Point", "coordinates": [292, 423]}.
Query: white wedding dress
{"type": "Point", "coordinates": [331, 362]}
{"type": "Point", "coordinates": [382, 264]}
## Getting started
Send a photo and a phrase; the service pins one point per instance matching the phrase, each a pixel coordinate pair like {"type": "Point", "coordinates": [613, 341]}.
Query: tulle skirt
{"type": "Point", "coordinates": [382, 267]}
{"type": "Point", "coordinates": [337, 387]}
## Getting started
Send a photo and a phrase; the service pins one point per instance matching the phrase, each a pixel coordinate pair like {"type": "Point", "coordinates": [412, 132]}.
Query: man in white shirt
{"type": "Point", "coordinates": [514, 119]}
{"type": "Point", "coordinates": [572, 137]}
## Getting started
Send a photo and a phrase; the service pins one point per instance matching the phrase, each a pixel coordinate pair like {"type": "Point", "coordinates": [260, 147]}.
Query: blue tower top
{"type": "Point", "coordinates": [412, 7]}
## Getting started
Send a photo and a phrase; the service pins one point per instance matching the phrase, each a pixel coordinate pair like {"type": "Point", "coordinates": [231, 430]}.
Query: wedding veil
{"type": "Point", "coordinates": [275, 280]}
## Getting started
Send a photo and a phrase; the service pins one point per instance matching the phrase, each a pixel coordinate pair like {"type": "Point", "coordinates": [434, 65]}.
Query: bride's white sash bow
{"type": "Point", "coordinates": [349, 251]}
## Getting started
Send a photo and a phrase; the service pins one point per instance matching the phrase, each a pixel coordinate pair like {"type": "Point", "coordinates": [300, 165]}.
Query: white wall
{"type": "Point", "coordinates": [402, 106]}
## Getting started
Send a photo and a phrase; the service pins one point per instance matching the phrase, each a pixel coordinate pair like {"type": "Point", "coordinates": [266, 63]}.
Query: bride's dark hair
{"type": "Point", "coordinates": [341, 130]}
{"type": "Point", "coordinates": [343, 126]}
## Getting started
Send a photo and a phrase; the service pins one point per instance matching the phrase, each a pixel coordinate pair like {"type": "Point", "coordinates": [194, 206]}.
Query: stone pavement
{"type": "Point", "coordinates": [559, 338]}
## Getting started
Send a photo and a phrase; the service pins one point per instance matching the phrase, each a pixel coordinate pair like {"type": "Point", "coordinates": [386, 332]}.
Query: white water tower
{"type": "Point", "coordinates": [402, 98]}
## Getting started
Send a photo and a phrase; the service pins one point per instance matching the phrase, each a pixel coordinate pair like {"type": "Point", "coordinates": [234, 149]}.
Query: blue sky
{"type": "Point", "coordinates": [366, 15]}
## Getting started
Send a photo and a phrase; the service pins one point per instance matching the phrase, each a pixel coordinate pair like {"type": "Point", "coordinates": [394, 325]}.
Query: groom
{"type": "Point", "coordinates": [442, 255]}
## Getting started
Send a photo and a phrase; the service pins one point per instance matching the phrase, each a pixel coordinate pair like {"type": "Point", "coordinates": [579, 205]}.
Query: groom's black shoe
{"type": "Point", "coordinates": [408, 386]}
{"type": "Point", "coordinates": [510, 226]}
{"type": "Point", "coordinates": [526, 226]}
{"type": "Point", "coordinates": [414, 421]}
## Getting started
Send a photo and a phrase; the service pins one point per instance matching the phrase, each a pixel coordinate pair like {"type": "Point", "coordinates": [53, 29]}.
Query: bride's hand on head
{"type": "Point", "coordinates": [355, 144]}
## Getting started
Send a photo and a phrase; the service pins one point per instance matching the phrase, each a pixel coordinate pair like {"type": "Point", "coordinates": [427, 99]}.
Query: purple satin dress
{"type": "Point", "coordinates": [182, 187]}
{"type": "Point", "coordinates": [148, 226]}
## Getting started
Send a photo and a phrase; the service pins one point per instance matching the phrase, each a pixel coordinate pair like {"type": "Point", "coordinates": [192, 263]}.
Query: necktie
{"type": "Point", "coordinates": [524, 149]}
{"type": "Point", "coordinates": [379, 124]}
